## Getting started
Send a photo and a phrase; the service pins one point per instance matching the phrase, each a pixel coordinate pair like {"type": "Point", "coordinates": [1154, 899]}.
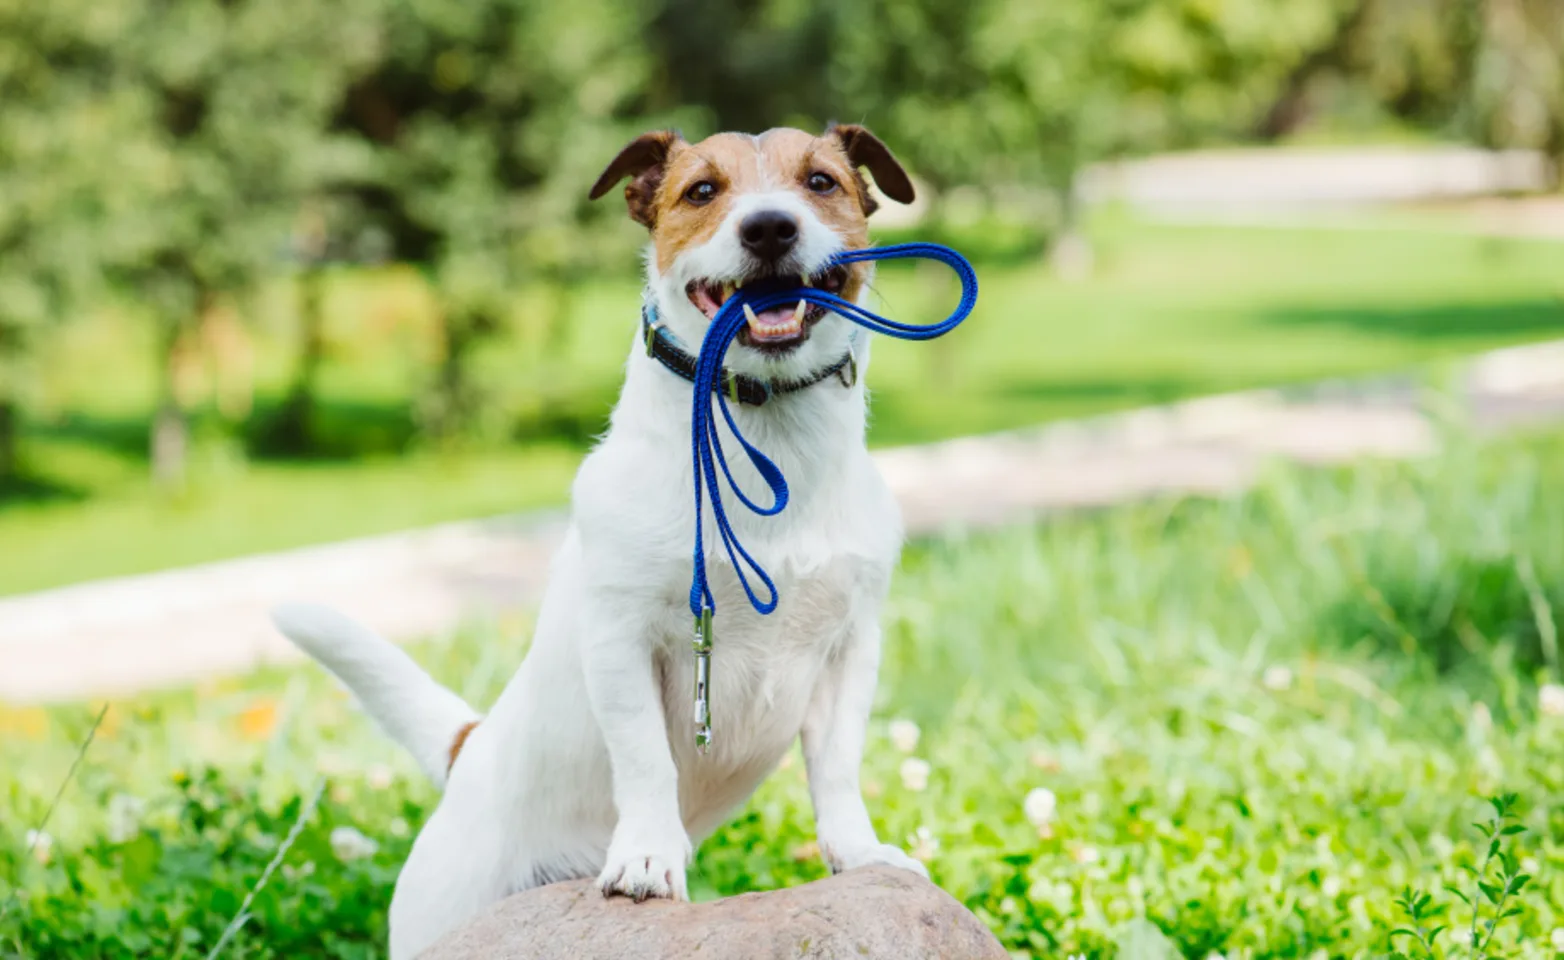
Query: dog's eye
{"type": "Point", "coordinates": [702, 192]}
{"type": "Point", "coordinates": [821, 182]}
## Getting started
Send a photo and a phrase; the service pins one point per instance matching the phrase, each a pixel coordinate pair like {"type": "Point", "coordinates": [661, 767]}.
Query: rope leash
{"type": "Point", "coordinates": [706, 451]}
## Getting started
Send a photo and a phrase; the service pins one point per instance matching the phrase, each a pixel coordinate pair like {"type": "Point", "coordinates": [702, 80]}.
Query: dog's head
{"type": "Point", "coordinates": [735, 209]}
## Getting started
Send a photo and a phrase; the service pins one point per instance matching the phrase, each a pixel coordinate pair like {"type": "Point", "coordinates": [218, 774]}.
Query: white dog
{"type": "Point", "coordinates": [587, 764]}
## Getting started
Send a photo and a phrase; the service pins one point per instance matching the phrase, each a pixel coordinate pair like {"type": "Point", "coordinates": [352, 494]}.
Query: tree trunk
{"type": "Point", "coordinates": [10, 408]}
{"type": "Point", "coordinates": [293, 430]}
{"type": "Point", "coordinates": [935, 280]}
{"type": "Point", "coordinates": [1291, 107]}
{"type": "Point", "coordinates": [170, 438]}
{"type": "Point", "coordinates": [452, 403]}
{"type": "Point", "coordinates": [1070, 253]}
{"type": "Point", "coordinates": [10, 431]}
{"type": "Point", "coordinates": [556, 336]}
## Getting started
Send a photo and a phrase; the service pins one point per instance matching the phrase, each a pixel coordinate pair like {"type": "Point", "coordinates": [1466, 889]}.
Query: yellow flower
{"type": "Point", "coordinates": [259, 720]}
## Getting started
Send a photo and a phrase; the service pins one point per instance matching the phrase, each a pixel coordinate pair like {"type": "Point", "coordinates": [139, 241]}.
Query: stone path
{"type": "Point", "coordinates": [116, 636]}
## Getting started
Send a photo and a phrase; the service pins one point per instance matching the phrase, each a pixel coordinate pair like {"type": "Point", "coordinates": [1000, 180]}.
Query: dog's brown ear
{"type": "Point", "coordinates": [643, 160]}
{"type": "Point", "coordinates": [864, 149]}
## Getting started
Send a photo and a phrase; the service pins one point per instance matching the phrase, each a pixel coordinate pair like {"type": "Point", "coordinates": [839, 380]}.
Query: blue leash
{"type": "Point", "coordinates": [706, 451]}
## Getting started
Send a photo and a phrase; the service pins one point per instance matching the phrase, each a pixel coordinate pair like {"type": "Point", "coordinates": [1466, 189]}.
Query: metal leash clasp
{"type": "Point", "coordinates": [848, 372]}
{"type": "Point", "coordinates": [703, 680]}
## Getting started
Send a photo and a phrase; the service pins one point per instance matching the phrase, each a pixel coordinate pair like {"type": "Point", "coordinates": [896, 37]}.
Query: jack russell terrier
{"type": "Point", "coordinates": [586, 765]}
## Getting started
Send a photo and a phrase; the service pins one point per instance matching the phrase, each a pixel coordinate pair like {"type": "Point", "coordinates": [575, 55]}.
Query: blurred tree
{"type": "Point", "coordinates": [1014, 92]}
{"type": "Point", "coordinates": [1488, 70]}
{"type": "Point", "coordinates": [331, 228]}
{"type": "Point", "coordinates": [189, 150]}
{"type": "Point", "coordinates": [1515, 96]}
{"type": "Point", "coordinates": [226, 137]}
{"type": "Point", "coordinates": [490, 119]}
{"type": "Point", "coordinates": [1338, 48]}
{"type": "Point", "coordinates": [53, 137]}
{"type": "Point", "coordinates": [750, 64]}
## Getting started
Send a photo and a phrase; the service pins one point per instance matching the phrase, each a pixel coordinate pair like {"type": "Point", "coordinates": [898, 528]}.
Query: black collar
{"type": "Point", "coordinates": [663, 347]}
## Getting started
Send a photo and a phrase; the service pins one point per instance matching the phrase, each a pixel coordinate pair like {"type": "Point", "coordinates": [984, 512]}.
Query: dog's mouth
{"type": "Point", "coordinates": [779, 329]}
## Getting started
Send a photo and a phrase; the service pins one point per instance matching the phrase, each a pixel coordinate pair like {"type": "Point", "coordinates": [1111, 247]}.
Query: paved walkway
{"type": "Point", "coordinates": [121, 635]}
{"type": "Point", "coordinates": [1288, 180]}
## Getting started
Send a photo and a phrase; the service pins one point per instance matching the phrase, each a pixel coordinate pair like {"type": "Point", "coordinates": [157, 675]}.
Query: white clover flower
{"type": "Point", "coordinates": [1331, 887]}
{"type": "Point", "coordinates": [40, 844]}
{"type": "Point", "coordinates": [904, 735]}
{"type": "Point", "coordinates": [1557, 939]}
{"type": "Point", "coordinates": [1039, 806]}
{"type": "Point", "coordinates": [1007, 906]}
{"type": "Point", "coordinates": [125, 812]}
{"type": "Point", "coordinates": [915, 774]}
{"type": "Point", "coordinates": [1550, 699]}
{"type": "Point", "coordinates": [1277, 677]}
{"type": "Point", "coordinates": [349, 844]}
{"type": "Point", "coordinates": [379, 776]}
{"type": "Point", "coordinates": [924, 845]}
{"type": "Point", "coordinates": [1086, 853]}
{"type": "Point", "coordinates": [399, 827]}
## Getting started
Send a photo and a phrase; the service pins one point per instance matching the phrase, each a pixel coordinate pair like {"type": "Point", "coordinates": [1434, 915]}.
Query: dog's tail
{"type": "Point", "coordinates": [415, 711]}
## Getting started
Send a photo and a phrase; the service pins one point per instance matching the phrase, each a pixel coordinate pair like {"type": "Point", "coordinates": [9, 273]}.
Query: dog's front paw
{"type": "Point", "coordinates": [642, 875]}
{"type": "Point", "coordinates": [880, 853]}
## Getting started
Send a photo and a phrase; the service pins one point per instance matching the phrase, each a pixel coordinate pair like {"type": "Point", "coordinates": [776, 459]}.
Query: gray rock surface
{"type": "Point", "coordinates": [875, 913]}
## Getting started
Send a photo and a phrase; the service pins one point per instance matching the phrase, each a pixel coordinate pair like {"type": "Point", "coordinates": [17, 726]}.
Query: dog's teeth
{"type": "Point", "coordinates": [804, 282]}
{"type": "Point", "coordinates": [798, 314]}
{"type": "Point", "coordinates": [749, 314]}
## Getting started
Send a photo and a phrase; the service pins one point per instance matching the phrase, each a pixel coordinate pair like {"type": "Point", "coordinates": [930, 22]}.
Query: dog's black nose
{"type": "Point", "coordinates": [769, 234]}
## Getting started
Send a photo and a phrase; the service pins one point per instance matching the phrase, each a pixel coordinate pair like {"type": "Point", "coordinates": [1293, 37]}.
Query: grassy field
{"type": "Point", "coordinates": [1170, 312]}
{"type": "Point", "coordinates": [1256, 721]}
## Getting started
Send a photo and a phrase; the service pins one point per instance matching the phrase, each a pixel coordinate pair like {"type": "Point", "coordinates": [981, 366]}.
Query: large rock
{"type": "Point", "coordinates": [875, 913]}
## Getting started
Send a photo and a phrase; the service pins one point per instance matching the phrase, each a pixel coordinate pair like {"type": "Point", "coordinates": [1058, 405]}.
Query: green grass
{"type": "Point", "coordinates": [1171, 312]}
{"type": "Point", "coordinates": [1261, 718]}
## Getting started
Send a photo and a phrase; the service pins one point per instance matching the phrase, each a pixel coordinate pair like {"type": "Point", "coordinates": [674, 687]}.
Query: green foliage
{"type": "Point", "coordinates": [484, 119]}
{"type": "Point", "coordinates": [165, 161]}
{"type": "Point", "coordinates": [1497, 880]}
{"type": "Point", "coordinates": [1225, 769]}
{"type": "Point", "coordinates": [166, 881]}
{"type": "Point", "coordinates": [1516, 93]}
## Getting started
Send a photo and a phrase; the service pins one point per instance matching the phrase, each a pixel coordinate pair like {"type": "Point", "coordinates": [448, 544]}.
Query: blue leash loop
{"type": "Point", "coordinates": [706, 450]}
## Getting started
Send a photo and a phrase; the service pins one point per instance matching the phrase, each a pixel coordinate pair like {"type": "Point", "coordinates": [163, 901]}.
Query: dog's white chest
{"type": "Point", "coordinates": [764, 669]}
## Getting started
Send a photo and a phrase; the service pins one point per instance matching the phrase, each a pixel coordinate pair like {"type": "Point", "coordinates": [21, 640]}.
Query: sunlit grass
{"type": "Point", "coordinates": [1258, 718]}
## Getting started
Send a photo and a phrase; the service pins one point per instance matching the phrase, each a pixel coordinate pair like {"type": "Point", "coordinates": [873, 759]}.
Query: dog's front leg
{"type": "Point", "coordinates": [649, 849]}
{"type": "Point", "coordinates": [833, 738]}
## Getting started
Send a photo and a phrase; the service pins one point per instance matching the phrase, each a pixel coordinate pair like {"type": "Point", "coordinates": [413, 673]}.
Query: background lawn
{"type": "Point", "coordinates": [1169, 312]}
{"type": "Point", "coordinates": [1258, 719]}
